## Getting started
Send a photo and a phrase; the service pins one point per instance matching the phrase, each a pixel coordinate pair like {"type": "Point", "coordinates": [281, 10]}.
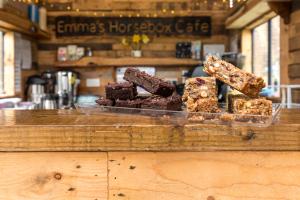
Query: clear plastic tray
{"type": "Point", "coordinates": [184, 117]}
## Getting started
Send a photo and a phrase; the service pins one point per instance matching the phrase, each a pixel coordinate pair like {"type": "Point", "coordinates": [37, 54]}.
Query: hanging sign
{"type": "Point", "coordinates": [88, 26]}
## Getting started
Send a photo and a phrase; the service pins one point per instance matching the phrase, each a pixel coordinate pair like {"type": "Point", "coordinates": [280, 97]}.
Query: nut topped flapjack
{"type": "Point", "coordinates": [200, 94]}
{"type": "Point", "coordinates": [245, 82]}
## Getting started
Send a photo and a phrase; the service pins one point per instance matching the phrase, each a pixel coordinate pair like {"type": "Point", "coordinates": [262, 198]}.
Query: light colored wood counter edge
{"type": "Point", "coordinates": [127, 61]}
{"type": "Point", "coordinates": [139, 136]}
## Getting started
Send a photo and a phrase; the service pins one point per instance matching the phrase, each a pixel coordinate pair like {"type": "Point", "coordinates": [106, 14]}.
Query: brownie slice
{"type": "Point", "coordinates": [135, 103]}
{"type": "Point", "coordinates": [150, 83]}
{"type": "Point", "coordinates": [122, 91]}
{"type": "Point", "coordinates": [173, 102]}
{"type": "Point", "coordinates": [245, 82]}
{"type": "Point", "coordinates": [105, 102]}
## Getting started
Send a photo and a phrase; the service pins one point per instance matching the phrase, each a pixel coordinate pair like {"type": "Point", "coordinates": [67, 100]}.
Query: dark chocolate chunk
{"type": "Point", "coordinates": [152, 84]}
{"type": "Point", "coordinates": [122, 91]}
{"type": "Point", "coordinates": [200, 81]}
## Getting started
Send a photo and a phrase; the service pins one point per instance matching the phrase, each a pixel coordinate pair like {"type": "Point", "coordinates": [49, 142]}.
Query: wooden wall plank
{"type": "Point", "coordinates": [150, 46]}
{"type": "Point", "coordinates": [284, 55]}
{"type": "Point", "coordinates": [94, 46]}
{"type": "Point", "coordinates": [294, 49]}
{"type": "Point", "coordinates": [295, 17]}
{"type": "Point", "coordinates": [88, 62]}
{"type": "Point", "coordinates": [294, 29]}
{"type": "Point", "coordinates": [294, 43]}
{"type": "Point", "coordinates": [207, 176]}
{"type": "Point", "coordinates": [296, 94]}
{"type": "Point", "coordinates": [92, 5]}
{"type": "Point", "coordinates": [294, 70]}
{"type": "Point", "coordinates": [295, 81]}
{"type": "Point", "coordinates": [55, 176]}
{"type": "Point", "coordinates": [104, 74]}
{"type": "Point", "coordinates": [294, 57]}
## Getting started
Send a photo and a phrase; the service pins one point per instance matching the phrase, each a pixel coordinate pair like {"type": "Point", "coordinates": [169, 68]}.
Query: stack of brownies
{"type": "Point", "coordinates": [125, 94]}
{"type": "Point", "coordinates": [200, 93]}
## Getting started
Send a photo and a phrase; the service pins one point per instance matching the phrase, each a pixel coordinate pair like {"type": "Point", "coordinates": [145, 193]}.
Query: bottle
{"type": "Point", "coordinates": [43, 18]}
{"type": "Point", "coordinates": [88, 52]}
{"type": "Point", "coordinates": [65, 98]}
{"type": "Point", "coordinates": [33, 13]}
{"type": "Point", "coordinates": [275, 85]}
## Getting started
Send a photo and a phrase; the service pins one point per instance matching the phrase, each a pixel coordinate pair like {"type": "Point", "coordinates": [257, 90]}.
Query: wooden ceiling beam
{"type": "Point", "coordinates": [281, 8]}
{"type": "Point", "coordinates": [247, 13]}
{"type": "Point", "coordinates": [253, 10]}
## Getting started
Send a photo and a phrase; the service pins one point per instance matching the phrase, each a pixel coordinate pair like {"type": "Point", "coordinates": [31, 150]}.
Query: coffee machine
{"type": "Point", "coordinates": [53, 89]}
{"type": "Point", "coordinates": [67, 82]}
{"type": "Point", "coordinates": [49, 77]}
{"type": "Point", "coordinates": [35, 90]}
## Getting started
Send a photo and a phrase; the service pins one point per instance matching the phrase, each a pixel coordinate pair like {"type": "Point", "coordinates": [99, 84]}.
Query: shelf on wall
{"type": "Point", "coordinates": [247, 13]}
{"type": "Point", "coordinates": [127, 61]}
{"type": "Point", "coordinates": [23, 25]}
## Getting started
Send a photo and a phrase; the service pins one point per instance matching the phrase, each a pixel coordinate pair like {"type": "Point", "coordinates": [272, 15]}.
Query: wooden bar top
{"type": "Point", "coordinates": [68, 130]}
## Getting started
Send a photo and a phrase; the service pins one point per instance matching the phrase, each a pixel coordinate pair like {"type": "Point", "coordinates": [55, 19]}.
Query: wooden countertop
{"type": "Point", "coordinates": [67, 130]}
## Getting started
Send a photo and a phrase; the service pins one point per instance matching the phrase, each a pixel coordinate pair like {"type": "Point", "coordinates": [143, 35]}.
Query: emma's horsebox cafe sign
{"type": "Point", "coordinates": [85, 26]}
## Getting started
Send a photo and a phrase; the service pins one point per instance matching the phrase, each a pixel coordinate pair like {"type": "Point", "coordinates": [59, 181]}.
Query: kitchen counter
{"type": "Point", "coordinates": [62, 154]}
{"type": "Point", "coordinates": [68, 130]}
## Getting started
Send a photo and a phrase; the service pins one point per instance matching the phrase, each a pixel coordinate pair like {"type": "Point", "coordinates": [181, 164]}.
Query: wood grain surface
{"type": "Point", "coordinates": [294, 51]}
{"type": "Point", "coordinates": [53, 176]}
{"type": "Point", "coordinates": [150, 176]}
{"type": "Point", "coordinates": [128, 61]}
{"type": "Point", "coordinates": [204, 176]}
{"type": "Point", "coordinates": [67, 130]}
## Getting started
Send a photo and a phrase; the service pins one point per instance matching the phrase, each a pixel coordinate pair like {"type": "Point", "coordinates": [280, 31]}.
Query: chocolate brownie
{"type": "Point", "coordinates": [135, 103]}
{"type": "Point", "coordinates": [105, 102]}
{"type": "Point", "coordinates": [150, 83]}
{"type": "Point", "coordinates": [173, 102]}
{"type": "Point", "coordinates": [122, 91]}
{"type": "Point", "coordinates": [242, 81]}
